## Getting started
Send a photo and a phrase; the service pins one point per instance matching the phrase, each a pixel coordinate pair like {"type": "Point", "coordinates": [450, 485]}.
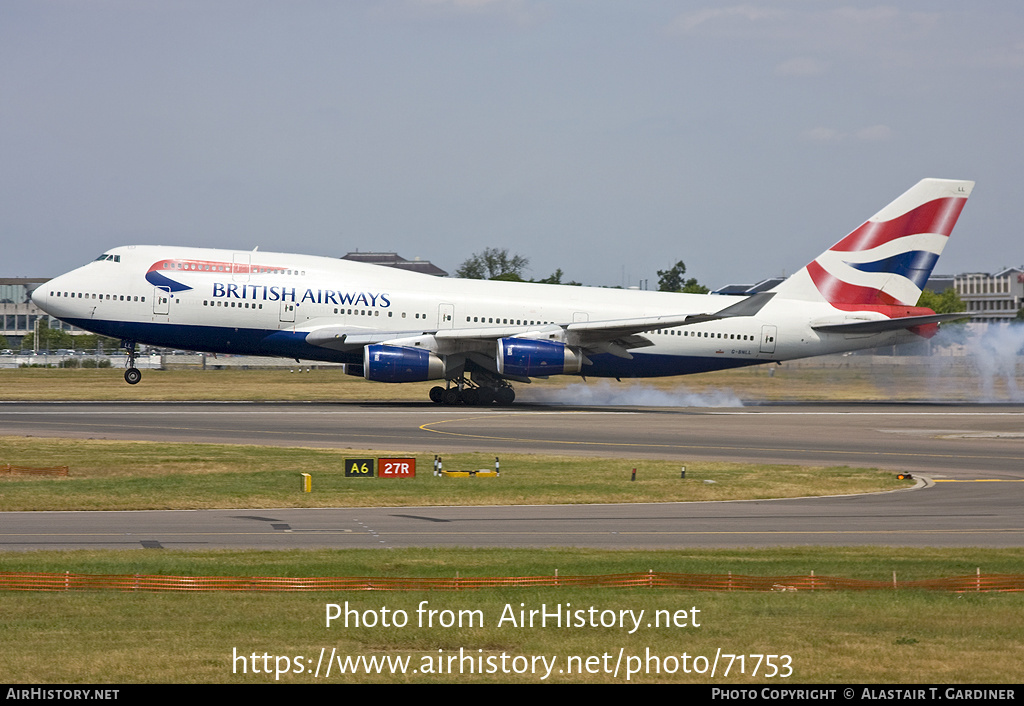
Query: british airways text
{"type": "Point", "coordinates": [263, 292]}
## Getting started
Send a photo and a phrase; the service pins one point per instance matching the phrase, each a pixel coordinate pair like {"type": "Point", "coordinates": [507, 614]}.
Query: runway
{"type": "Point", "coordinates": [974, 453]}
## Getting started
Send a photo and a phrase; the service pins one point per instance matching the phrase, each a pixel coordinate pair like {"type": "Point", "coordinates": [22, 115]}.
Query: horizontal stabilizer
{"type": "Point", "coordinates": [883, 325]}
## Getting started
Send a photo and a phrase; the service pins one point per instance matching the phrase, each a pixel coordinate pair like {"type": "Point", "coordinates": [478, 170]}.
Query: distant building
{"type": "Point", "coordinates": [992, 297]}
{"type": "Point", "coordinates": [390, 259]}
{"type": "Point", "coordinates": [940, 283]}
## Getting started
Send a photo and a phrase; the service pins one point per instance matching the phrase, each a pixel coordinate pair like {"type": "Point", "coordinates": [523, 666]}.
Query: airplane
{"type": "Point", "coordinates": [480, 336]}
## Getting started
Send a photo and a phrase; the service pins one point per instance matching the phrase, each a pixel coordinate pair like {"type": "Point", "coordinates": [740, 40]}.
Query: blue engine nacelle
{"type": "Point", "coordinates": [523, 357]}
{"type": "Point", "coordinates": [400, 364]}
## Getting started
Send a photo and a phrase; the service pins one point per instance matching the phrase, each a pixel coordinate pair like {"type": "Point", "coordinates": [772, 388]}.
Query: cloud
{"type": "Point", "coordinates": [871, 133]}
{"type": "Point", "coordinates": [519, 12]}
{"type": "Point", "coordinates": [1001, 56]}
{"type": "Point", "coordinates": [802, 66]}
{"type": "Point", "coordinates": [870, 33]}
{"type": "Point", "coordinates": [824, 134]}
{"type": "Point", "coordinates": [867, 15]}
{"type": "Point", "coordinates": [690, 21]}
{"type": "Point", "coordinates": [874, 133]}
{"type": "Point", "coordinates": [462, 4]}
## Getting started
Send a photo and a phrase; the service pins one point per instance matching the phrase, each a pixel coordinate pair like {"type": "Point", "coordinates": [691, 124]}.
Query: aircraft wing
{"type": "Point", "coordinates": [618, 334]}
{"type": "Point", "coordinates": [602, 330]}
{"type": "Point", "coordinates": [347, 338]}
{"type": "Point", "coordinates": [615, 336]}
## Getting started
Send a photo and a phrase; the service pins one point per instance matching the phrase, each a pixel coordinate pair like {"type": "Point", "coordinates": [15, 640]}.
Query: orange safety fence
{"type": "Point", "coordinates": [68, 581]}
{"type": "Point", "coordinates": [7, 469]}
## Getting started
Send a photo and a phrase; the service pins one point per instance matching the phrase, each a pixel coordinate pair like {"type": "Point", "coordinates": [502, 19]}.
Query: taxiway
{"type": "Point", "coordinates": [972, 454]}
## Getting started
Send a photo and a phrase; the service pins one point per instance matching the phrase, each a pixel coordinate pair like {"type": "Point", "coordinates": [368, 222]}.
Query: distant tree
{"type": "Point", "coordinates": [91, 342]}
{"type": "Point", "coordinates": [554, 278]}
{"type": "Point", "coordinates": [1020, 314]}
{"type": "Point", "coordinates": [674, 280]}
{"type": "Point", "coordinates": [3, 342]}
{"type": "Point", "coordinates": [946, 302]}
{"type": "Point", "coordinates": [693, 287]}
{"type": "Point", "coordinates": [50, 338]}
{"type": "Point", "coordinates": [508, 277]}
{"type": "Point", "coordinates": [494, 263]}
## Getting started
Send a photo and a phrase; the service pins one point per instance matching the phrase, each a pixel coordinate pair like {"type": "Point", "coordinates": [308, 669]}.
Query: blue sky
{"type": "Point", "coordinates": [608, 139]}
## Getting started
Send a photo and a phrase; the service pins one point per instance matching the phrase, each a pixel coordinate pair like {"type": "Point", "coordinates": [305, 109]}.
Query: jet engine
{"type": "Point", "coordinates": [523, 357]}
{"type": "Point", "coordinates": [400, 364]}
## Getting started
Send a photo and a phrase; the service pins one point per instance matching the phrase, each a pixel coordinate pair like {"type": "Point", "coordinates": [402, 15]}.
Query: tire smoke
{"type": "Point", "coordinates": [606, 394]}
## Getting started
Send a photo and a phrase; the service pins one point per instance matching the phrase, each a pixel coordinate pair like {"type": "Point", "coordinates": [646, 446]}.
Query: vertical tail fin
{"type": "Point", "coordinates": [887, 261]}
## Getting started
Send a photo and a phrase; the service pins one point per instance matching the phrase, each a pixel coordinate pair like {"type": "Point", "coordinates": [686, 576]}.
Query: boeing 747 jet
{"type": "Point", "coordinates": [480, 336]}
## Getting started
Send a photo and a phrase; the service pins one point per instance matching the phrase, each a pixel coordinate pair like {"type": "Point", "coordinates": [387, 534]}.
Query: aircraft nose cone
{"type": "Point", "coordinates": [39, 295]}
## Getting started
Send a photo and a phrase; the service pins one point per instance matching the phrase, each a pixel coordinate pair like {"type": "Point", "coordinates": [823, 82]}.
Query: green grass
{"type": "Point", "coordinates": [136, 475]}
{"type": "Point", "coordinates": [851, 637]}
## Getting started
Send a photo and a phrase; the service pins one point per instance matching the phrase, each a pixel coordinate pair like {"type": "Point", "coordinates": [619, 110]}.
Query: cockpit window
{"type": "Point", "coordinates": [106, 256]}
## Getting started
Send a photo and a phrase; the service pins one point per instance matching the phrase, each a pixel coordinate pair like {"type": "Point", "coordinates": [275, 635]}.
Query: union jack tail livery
{"type": "Point", "coordinates": [887, 261]}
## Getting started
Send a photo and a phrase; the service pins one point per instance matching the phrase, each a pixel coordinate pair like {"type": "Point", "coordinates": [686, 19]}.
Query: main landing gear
{"type": "Point", "coordinates": [132, 375]}
{"type": "Point", "coordinates": [463, 391]}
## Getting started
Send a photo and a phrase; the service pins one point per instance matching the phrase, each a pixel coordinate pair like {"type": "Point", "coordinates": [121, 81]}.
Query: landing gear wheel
{"type": "Point", "coordinates": [504, 395]}
{"type": "Point", "coordinates": [132, 374]}
{"type": "Point", "coordinates": [437, 394]}
{"type": "Point", "coordinates": [470, 396]}
{"type": "Point", "coordinates": [451, 395]}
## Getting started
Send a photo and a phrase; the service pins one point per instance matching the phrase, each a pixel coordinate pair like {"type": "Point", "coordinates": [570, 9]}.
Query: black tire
{"type": "Point", "coordinates": [132, 376]}
{"type": "Point", "coordinates": [504, 396]}
{"type": "Point", "coordinates": [451, 395]}
{"type": "Point", "coordinates": [437, 394]}
{"type": "Point", "coordinates": [470, 396]}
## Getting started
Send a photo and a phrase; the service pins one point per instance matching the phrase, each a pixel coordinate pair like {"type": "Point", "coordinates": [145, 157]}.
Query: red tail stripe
{"type": "Point", "coordinates": [837, 291]}
{"type": "Point", "coordinates": [938, 216]}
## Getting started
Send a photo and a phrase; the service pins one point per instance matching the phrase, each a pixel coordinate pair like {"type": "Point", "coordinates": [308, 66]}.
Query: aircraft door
{"type": "Point", "coordinates": [162, 300]}
{"type": "Point", "coordinates": [445, 316]}
{"type": "Point", "coordinates": [768, 334]}
{"type": "Point", "coordinates": [287, 311]}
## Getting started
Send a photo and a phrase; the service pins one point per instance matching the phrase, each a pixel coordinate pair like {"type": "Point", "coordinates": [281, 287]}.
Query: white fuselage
{"type": "Point", "coordinates": [261, 303]}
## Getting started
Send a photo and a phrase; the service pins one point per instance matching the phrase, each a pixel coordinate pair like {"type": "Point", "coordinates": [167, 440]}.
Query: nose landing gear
{"type": "Point", "coordinates": [132, 375]}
